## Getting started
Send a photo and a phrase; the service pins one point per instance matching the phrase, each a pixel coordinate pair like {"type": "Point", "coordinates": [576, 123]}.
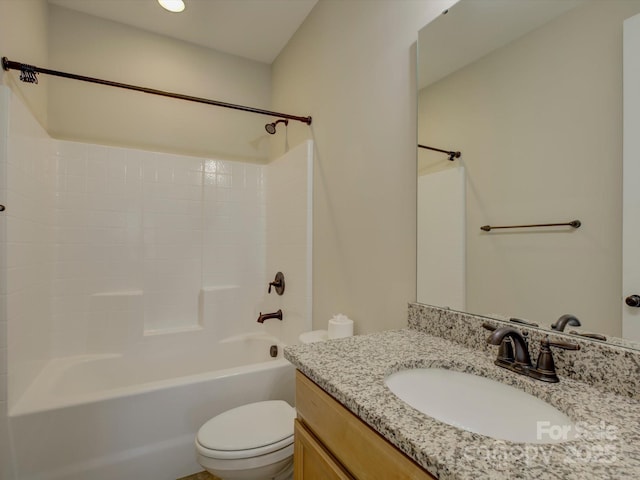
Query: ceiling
{"type": "Point", "coordinates": [472, 29]}
{"type": "Point", "coordinates": [253, 29]}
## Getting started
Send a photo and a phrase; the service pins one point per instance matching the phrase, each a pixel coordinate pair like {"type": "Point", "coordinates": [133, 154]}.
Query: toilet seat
{"type": "Point", "coordinates": [243, 454]}
{"type": "Point", "coordinates": [248, 431]}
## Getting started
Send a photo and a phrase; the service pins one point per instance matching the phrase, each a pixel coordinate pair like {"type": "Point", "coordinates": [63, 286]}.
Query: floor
{"type": "Point", "coordinates": [200, 476]}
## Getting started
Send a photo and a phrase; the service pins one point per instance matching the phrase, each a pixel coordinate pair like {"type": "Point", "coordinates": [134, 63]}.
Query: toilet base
{"type": "Point", "coordinates": [282, 470]}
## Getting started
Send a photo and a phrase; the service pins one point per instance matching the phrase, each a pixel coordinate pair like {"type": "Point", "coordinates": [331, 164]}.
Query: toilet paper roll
{"type": "Point", "coordinates": [340, 326]}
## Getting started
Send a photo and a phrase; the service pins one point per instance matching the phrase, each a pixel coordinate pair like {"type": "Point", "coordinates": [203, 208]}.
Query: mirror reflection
{"type": "Point", "coordinates": [530, 92]}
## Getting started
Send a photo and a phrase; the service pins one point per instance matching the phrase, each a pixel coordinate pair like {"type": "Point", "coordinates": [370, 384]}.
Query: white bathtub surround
{"type": "Point", "coordinates": [28, 251]}
{"type": "Point", "coordinates": [142, 424]}
{"type": "Point", "coordinates": [140, 234]}
{"type": "Point", "coordinates": [179, 242]}
{"type": "Point", "coordinates": [143, 268]}
{"type": "Point", "coordinates": [82, 379]}
{"type": "Point", "coordinates": [6, 467]}
{"type": "Point", "coordinates": [289, 234]}
{"type": "Point", "coordinates": [441, 237]}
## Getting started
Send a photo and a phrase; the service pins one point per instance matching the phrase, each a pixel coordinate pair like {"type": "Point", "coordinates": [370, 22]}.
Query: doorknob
{"type": "Point", "coordinates": [633, 300]}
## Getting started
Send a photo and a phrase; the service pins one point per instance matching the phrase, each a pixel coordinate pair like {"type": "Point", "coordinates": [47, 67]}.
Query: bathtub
{"type": "Point", "coordinates": [135, 416]}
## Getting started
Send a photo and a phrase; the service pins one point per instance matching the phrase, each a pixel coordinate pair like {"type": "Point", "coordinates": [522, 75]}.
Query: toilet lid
{"type": "Point", "coordinates": [249, 426]}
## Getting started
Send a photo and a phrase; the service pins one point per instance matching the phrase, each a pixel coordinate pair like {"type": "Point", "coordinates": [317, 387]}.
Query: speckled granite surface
{"type": "Point", "coordinates": [621, 342]}
{"type": "Point", "coordinates": [353, 370]}
{"type": "Point", "coordinates": [608, 367]}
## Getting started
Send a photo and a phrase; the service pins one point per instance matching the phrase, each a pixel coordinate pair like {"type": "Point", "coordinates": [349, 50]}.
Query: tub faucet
{"type": "Point", "coordinates": [565, 320]}
{"type": "Point", "coordinates": [267, 316]}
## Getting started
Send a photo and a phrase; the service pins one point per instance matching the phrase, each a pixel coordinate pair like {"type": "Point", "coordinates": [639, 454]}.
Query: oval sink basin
{"type": "Point", "coordinates": [481, 405]}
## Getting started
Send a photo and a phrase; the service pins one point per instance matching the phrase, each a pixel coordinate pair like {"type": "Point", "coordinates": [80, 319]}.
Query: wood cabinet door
{"type": "Point", "coordinates": [311, 460]}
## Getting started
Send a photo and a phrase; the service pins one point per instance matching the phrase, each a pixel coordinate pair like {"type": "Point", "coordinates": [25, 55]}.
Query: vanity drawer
{"type": "Point", "coordinates": [363, 452]}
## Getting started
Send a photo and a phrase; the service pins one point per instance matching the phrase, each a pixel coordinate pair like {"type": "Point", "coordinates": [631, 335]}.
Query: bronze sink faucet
{"type": "Point", "coordinates": [565, 320]}
{"type": "Point", "coordinates": [514, 353]}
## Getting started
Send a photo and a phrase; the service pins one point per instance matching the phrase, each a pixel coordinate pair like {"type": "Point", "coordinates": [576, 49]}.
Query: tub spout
{"type": "Point", "coordinates": [267, 316]}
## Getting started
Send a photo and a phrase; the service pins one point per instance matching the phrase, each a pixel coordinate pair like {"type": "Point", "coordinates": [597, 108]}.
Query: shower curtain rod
{"type": "Point", "coordinates": [28, 74]}
{"type": "Point", "coordinates": [452, 155]}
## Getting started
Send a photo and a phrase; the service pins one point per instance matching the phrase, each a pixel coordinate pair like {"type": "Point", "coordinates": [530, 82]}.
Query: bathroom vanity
{"type": "Point", "coordinates": [330, 442]}
{"type": "Point", "coordinates": [350, 424]}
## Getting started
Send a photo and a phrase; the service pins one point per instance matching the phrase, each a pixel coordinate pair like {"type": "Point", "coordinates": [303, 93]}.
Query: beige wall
{"type": "Point", "coordinates": [23, 38]}
{"type": "Point", "coordinates": [94, 47]}
{"type": "Point", "coordinates": [539, 123]}
{"type": "Point", "coordinates": [351, 66]}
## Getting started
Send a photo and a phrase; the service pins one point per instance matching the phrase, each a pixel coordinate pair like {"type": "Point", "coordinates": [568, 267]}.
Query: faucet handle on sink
{"type": "Point", "coordinates": [560, 344]}
{"type": "Point", "coordinates": [488, 326]}
{"type": "Point", "coordinates": [545, 366]}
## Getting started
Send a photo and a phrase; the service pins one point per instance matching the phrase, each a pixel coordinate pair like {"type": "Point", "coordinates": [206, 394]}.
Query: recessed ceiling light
{"type": "Point", "coordinates": [172, 5]}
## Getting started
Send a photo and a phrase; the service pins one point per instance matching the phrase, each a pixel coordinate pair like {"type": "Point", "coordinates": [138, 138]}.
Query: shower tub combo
{"type": "Point", "coordinates": [131, 408]}
{"type": "Point", "coordinates": [121, 417]}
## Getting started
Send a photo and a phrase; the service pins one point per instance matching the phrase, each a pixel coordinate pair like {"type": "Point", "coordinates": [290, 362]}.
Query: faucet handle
{"type": "Point", "coordinates": [278, 283]}
{"type": "Point", "coordinates": [595, 336]}
{"type": "Point", "coordinates": [523, 322]}
{"type": "Point", "coordinates": [560, 344]}
{"type": "Point", "coordinates": [545, 366]}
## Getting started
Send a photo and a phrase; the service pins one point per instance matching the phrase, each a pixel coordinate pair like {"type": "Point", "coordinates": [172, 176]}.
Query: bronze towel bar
{"type": "Point", "coordinates": [573, 223]}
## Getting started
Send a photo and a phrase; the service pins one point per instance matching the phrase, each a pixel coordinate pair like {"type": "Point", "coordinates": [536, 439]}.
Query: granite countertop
{"type": "Point", "coordinates": [352, 370]}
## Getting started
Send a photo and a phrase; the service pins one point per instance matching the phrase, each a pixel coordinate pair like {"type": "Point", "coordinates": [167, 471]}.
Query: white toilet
{"type": "Point", "coordinates": [251, 442]}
